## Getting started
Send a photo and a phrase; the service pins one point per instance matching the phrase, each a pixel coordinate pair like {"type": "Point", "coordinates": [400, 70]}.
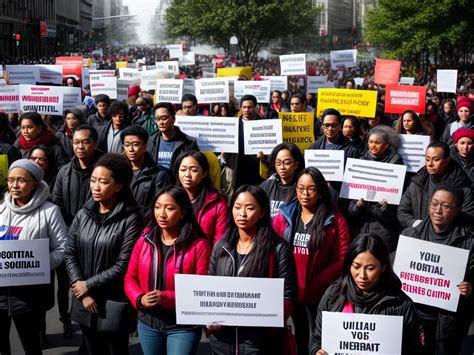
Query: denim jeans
{"type": "Point", "coordinates": [176, 341]}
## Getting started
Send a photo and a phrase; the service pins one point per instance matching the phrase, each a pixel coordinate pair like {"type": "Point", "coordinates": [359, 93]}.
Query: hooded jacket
{"type": "Point", "coordinates": [467, 164]}
{"type": "Point", "coordinates": [342, 143]}
{"type": "Point", "coordinates": [56, 150]}
{"type": "Point", "coordinates": [213, 215]}
{"type": "Point", "coordinates": [63, 138]}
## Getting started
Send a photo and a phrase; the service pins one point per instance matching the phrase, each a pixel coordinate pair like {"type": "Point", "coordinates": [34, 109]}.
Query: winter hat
{"type": "Point", "coordinates": [134, 90]}
{"type": "Point", "coordinates": [464, 101]}
{"type": "Point", "coordinates": [463, 132]}
{"type": "Point", "coordinates": [35, 171]}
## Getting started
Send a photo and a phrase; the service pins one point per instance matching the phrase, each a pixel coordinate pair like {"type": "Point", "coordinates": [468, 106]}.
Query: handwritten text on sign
{"type": "Point", "coordinates": [232, 301]}
{"type": "Point", "coordinates": [430, 272]}
{"type": "Point", "coordinates": [329, 162]}
{"type": "Point", "coordinates": [412, 150]}
{"type": "Point", "coordinates": [261, 136]}
{"type": "Point", "coordinates": [356, 333]}
{"type": "Point", "coordinates": [360, 103]}
{"type": "Point", "coordinates": [24, 262]}
{"type": "Point", "coordinates": [298, 128]}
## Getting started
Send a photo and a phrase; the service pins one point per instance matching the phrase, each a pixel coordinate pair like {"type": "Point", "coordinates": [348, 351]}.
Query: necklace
{"type": "Point", "coordinates": [306, 218]}
{"type": "Point", "coordinates": [244, 249]}
{"type": "Point", "coordinates": [167, 242]}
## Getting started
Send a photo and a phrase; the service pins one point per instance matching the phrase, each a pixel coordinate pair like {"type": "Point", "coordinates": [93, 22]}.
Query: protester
{"type": "Point", "coordinates": [447, 113]}
{"type": "Point", "coordinates": [144, 115]}
{"type": "Point", "coordinates": [275, 105]}
{"type": "Point", "coordinates": [74, 117]}
{"type": "Point", "coordinates": [464, 110]}
{"type": "Point", "coordinates": [409, 123]}
{"type": "Point", "coordinates": [100, 118]}
{"type": "Point", "coordinates": [351, 129]}
{"type": "Point", "coordinates": [7, 138]}
{"type": "Point", "coordinates": [43, 157]}
{"type": "Point", "coordinates": [463, 150]}
{"type": "Point", "coordinates": [109, 135]}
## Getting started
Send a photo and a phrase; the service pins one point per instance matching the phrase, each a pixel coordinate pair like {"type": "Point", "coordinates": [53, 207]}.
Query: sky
{"type": "Point", "coordinates": [144, 9]}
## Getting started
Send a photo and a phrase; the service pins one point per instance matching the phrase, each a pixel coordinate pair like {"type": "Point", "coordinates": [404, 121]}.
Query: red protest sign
{"type": "Point", "coordinates": [387, 71]}
{"type": "Point", "coordinates": [399, 98]}
{"type": "Point", "coordinates": [72, 66]}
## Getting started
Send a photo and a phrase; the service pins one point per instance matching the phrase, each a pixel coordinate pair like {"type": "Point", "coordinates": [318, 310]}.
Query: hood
{"type": "Point", "coordinates": [41, 195]}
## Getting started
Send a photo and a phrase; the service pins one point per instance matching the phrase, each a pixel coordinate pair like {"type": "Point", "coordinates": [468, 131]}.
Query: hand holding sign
{"type": "Point", "coordinates": [465, 288]}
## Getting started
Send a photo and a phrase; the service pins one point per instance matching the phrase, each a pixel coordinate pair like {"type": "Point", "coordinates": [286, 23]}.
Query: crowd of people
{"type": "Point", "coordinates": [127, 201]}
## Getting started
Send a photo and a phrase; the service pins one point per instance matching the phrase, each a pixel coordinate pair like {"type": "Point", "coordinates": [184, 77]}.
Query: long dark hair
{"type": "Point", "coordinates": [356, 123]}
{"type": "Point", "coordinates": [189, 229]}
{"type": "Point", "coordinates": [257, 261]}
{"type": "Point", "coordinates": [418, 126]}
{"type": "Point", "coordinates": [323, 208]}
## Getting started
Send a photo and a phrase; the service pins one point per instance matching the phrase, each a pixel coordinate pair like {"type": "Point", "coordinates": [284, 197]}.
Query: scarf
{"type": "Point", "coordinates": [358, 299]}
{"type": "Point", "coordinates": [45, 137]}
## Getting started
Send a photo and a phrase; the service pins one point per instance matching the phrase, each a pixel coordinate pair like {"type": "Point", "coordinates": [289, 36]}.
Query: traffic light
{"type": "Point", "coordinates": [17, 39]}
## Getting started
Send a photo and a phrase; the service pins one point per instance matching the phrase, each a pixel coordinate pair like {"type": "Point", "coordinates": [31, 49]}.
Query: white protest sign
{"type": "Point", "coordinates": [258, 88]}
{"type": "Point", "coordinates": [446, 80]}
{"type": "Point", "coordinates": [102, 72]}
{"type": "Point", "coordinates": [24, 262]}
{"type": "Point", "coordinates": [277, 82]}
{"type": "Point", "coordinates": [46, 100]}
{"type": "Point", "coordinates": [104, 85]}
{"type": "Point", "coordinates": [412, 150]}
{"type": "Point", "coordinates": [346, 58]}
{"type": "Point", "coordinates": [262, 136]}
{"type": "Point", "coordinates": [51, 74]}
{"type": "Point", "coordinates": [85, 78]}
{"type": "Point", "coordinates": [3, 82]}
{"type": "Point", "coordinates": [71, 97]}
{"type": "Point", "coordinates": [373, 181]}
{"type": "Point", "coordinates": [329, 162]}
{"type": "Point", "coordinates": [313, 83]}
{"type": "Point", "coordinates": [406, 80]}
{"type": "Point", "coordinates": [169, 90]}
{"type": "Point", "coordinates": [189, 59]}
{"type": "Point", "coordinates": [293, 64]}
{"type": "Point", "coordinates": [189, 87]}
{"type": "Point", "coordinates": [213, 90]}
{"type": "Point", "coordinates": [169, 67]}
{"type": "Point", "coordinates": [9, 98]}
{"type": "Point", "coordinates": [122, 88]}
{"type": "Point", "coordinates": [148, 78]}
{"type": "Point", "coordinates": [1, 71]}
{"type": "Point", "coordinates": [215, 134]}
{"type": "Point", "coordinates": [358, 82]}
{"type": "Point", "coordinates": [230, 301]}
{"type": "Point", "coordinates": [430, 272]}
{"type": "Point", "coordinates": [176, 50]}
{"type": "Point", "coordinates": [22, 74]}
{"type": "Point", "coordinates": [129, 73]}
{"type": "Point", "coordinates": [358, 333]}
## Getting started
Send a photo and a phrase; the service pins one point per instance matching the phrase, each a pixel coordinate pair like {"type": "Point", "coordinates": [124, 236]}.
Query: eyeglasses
{"type": "Point", "coordinates": [444, 206]}
{"type": "Point", "coordinates": [134, 145]}
{"type": "Point", "coordinates": [285, 162]}
{"type": "Point", "coordinates": [309, 190]}
{"type": "Point", "coordinates": [19, 180]}
{"type": "Point", "coordinates": [332, 125]}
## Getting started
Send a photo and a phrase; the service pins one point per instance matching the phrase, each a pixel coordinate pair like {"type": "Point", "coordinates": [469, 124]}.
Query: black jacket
{"type": "Point", "coordinates": [345, 144]}
{"type": "Point", "coordinates": [56, 150]}
{"type": "Point", "coordinates": [103, 133]}
{"type": "Point", "coordinates": [10, 151]}
{"type": "Point", "coordinates": [95, 121]}
{"type": "Point", "coordinates": [466, 164]}
{"type": "Point", "coordinates": [98, 253]}
{"type": "Point", "coordinates": [393, 303]}
{"type": "Point", "coordinates": [65, 141]}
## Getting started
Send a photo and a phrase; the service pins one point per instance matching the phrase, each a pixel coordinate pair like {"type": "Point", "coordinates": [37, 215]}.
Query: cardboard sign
{"type": "Point", "coordinates": [258, 88]}
{"type": "Point", "coordinates": [175, 50]}
{"type": "Point", "coordinates": [85, 78]}
{"type": "Point", "coordinates": [21, 74]}
{"type": "Point", "coordinates": [261, 136]}
{"type": "Point", "coordinates": [24, 262]}
{"type": "Point", "coordinates": [119, 65]}
{"type": "Point", "coordinates": [329, 162]}
{"type": "Point", "coordinates": [314, 83]}
{"type": "Point", "coordinates": [168, 67]}
{"type": "Point", "coordinates": [346, 58]}
{"type": "Point", "coordinates": [412, 150]}
{"type": "Point", "coordinates": [215, 134]}
{"type": "Point", "coordinates": [129, 73]}
{"type": "Point", "coordinates": [229, 301]}
{"type": "Point", "coordinates": [189, 87]}
{"type": "Point", "coordinates": [148, 78]}
{"type": "Point", "coordinates": [46, 100]}
{"type": "Point", "coordinates": [406, 80]}
{"type": "Point", "coordinates": [357, 333]}
{"type": "Point", "coordinates": [358, 82]}
{"type": "Point", "coordinates": [373, 181]}
{"type": "Point", "coordinates": [399, 98]}
{"type": "Point", "coordinates": [293, 64]}
{"type": "Point", "coordinates": [212, 90]}
{"type": "Point", "coordinates": [102, 72]}
{"type": "Point", "coordinates": [72, 66]}
{"type": "Point", "coordinates": [430, 272]}
{"type": "Point", "coordinates": [446, 80]}
{"type": "Point", "coordinates": [122, 88]}
{"type": "Point", "coordinates": [298, 128]}
{"type": "Point", "coordinates": [169, 90]}
{"type": "Point", "coordinates": [51, 74]}
{"type": "Point", "coordinates": [9, 98]}
{"type": "Point", "coordinates": [71, 97]}
{"type": "Point", "coordinates": [189, 59]}
{"type": "Point", "coordinates": [104, 85]}
{"type": "Point", "coordinates": [361, 103]}
{"type": "Point", "coordinates": [387, 71]}
{"type": "Point", "coordinates": [277, 82]}
{"type": "Point", "coordinates": [245, 72]}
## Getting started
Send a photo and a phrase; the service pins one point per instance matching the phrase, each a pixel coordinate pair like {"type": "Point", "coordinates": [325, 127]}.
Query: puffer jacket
{"type": "Point", "coordinates": [213, 216]}
{"type": "Point", "coordinates": [98, 253]}
{"type": "Point", "coordinates": [467, 164]}
{"type": "Point", "coordinates": [325, 266]}
{"type": "Point", "coordinates": [393, 303]}
{"type": "Point", "coordinates": [65, 141]}
{"type": "Point", "coordinates": [145, 273]}
{"type": "Point", "coordinates": [344, 143]}
{"type": "Point", "coordinates": [56, 150]}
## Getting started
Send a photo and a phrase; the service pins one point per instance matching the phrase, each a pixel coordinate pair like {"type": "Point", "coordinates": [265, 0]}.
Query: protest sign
{"type": "Point", "coordinates": [23, 262]}
{"type": "Point", "coordinates": [361, 103]}
{"type": "Point", "coordinates": [329, 162]}
{"type": "Point", "coordinates": [298, 128]}
{"type": "Point", "coordinates": [85, 78]}
{"type": "Point", "coordinates": [430, 272]}
{"type": "Point", "coordinates": [357, 333]}
{"type": "Point", "coordinates": [71, 97]}
{"type": "Point", "coordinates": [406, 80]}
{"type": "Point", "coordinates": [129, 73]}
{"type": "Point", "coordinates": [119, 65]}
{"type": "Point", "coordinates": [229, 301]}
{"type": "Point", "coordinates": [102, 72]}
{"type": "Point", "coordinates": [346, 58]}
{"type": "Point", "coordinates": [51, 74]}
{"type": "Point", "coordinates": [373, 181]}
{"type": "Point", "coordinates": [122, 88]}
{"type": "Point", "coordinates": [261, 136]}
{"type": "Point", "coordinates": [258, 88]}
{"type": "Point", "coordinates": [412, 150]}
{"type": "Point", "coordinates": [46, 100]}
{"type": "Point", "coordinates": [387, 71]}
{"type": "Point", "coordinates": [293, 64]}
{"type": "Point", "coordinates": [171, 67]}
{"type": "Point", "coordinates": [169, 90]}
{"type": "Point", "coordinates": [245, 72]}
{"type": "Point", "coordinates": [215, 134]}
{"type": "Point", "coordinates": [314, 83]}
{"type": "Point", "coordinates": [21, 74]}
{"type": "Point", "coordinates": [148, 78]}
{"type": "Point", "coordinates": [9, 98]}
{"type": "Point", "coordinates": [189, 87]}
{"type": "Point", "coordinates": [277, 82]}
{"type": "Point", "coordinates": [447, 80]}
{"type": "Point", "coordinates": [212, 90]}
{"type": "Point", "coordinates": [189, 59]}
{"type": "Point", "coordinates": [175, 50]}
{"type": "Point", "coordinates": [104, 85]}
{"type": "Point", "coordinates": [399, 98]}
{"type": "Point", "coordinates": [358, 82]}
{"type": "Point", "coordinates": [72, 66]}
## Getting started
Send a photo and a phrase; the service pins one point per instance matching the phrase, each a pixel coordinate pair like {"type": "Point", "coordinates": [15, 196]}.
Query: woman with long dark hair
{"type": "Point", "coordinates": [172, 243]}
{"type": "Point", "coordinates": [409, 123]}
{"type": "Point", "coordinates": [319, 236]}
{"type": "Point", "coordinates": [251, 248]}
{"type": "Point", "coordinates": [43, 156]}
{"type": "Point", "coordinates": [369, 285]}
{"type": "Point", "coordinates": [352, 129]}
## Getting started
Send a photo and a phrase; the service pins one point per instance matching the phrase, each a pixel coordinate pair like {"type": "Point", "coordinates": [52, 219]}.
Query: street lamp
{"type": "Point", "coordinates": [234, 43]}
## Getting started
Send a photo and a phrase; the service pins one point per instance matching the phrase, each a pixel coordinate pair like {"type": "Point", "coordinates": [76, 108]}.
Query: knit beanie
{"type": "Point", "coordinates": [463, 132]}
{"type": "Point", "coordinates": [35, 171]}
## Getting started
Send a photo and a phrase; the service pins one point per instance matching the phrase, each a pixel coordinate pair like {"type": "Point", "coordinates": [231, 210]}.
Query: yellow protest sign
{"type": "Point", "coordinates": [298, 128]}
{"type": "Point", "coordinates": [121, 64]}
{"type": "Point", "coordinates": [237, 71]}
{"type": "Point", "coordinates": [361, 103]}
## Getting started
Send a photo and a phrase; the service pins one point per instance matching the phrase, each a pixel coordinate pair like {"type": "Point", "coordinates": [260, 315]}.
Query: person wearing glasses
{"type": "Point", "coordinates": [318, 234]}
{"type": "Point", "coordinates": [169, 141]}
{"type": "Point", "coordinates": [143, 115]}
{"type": "Point", "coordinates": [444, 224]}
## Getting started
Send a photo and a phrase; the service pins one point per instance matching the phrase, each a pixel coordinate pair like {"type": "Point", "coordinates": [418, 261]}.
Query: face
{"type": "Point", "coordinates": [296, 105]}
{"type": "Point", "coordinates": [82, 144]}
{"type": "Point", "coordinates": [349, 85]}
{"type": "Point", "coordinates": [408, 122]}
{"type": "Point", "coordinates": [167, 212]}
{"type": "Point", "coordinates": [224, 112]}
{"type": "Point", "coordinates": [373, 121]}
{"type": "Point", "coordinates": [134, 148]}
{"type": "Point", "coordinates": [72, 121]}
{"type": "Point", "coordinates": [442, 209]}
{"type": "Point", "coordinates": [21, 185]}
{"type": "Point", "coordinates": [307, 192]}
{"type": "Point", "coordinates": [29, 130]}
{"type": "Point", "coordinates": [40, 157]}
{"type": "Point", "coordinates": [447, 107]}
{"type": "Point", "coordinates": [141, 105]}
{"type": "Point", "coordinates": [102, 108]}
{"type": "Point", "coordinates": [430, 110]}
{"type": "Point", "coordinates": [103, 186]}
{"type": "Point", "coordinates": [464, 146]}
{"type": "Point", "coordinates": [275, 98]}
{"type": "Point", "coordinates": [348, 129]}
{"type": "Point", "coordinates": [377, 145]}
{"type": "Point", "coordinates": [249, 110]}
{"type": "Point", "coordinates": [464, 114]}
{"type": "Point", "coordinates": [435, 162]}
{"type": "Point", "coordinates": [246, 211]}
{"type": "Point", "coordinates": [164, 120]}
{"type": "Point", "coordinates": [285, 165]}
{"type": "Point", "coordinates": [366, 270]}
{"type": "Point", "coordinates": [70, 82]}
{"type": "Point", "coordinates": [189, 108]}
{"type": "Point", "coordinates": [190, 174]}
{"type": "Point", "coordinates": [331, 127]}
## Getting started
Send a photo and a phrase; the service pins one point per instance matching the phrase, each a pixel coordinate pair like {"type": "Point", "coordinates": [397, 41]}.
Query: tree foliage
{"type": "Point", "coordinates": [405, 28]}
{"type": "Point", "coordinates": [253, 22]}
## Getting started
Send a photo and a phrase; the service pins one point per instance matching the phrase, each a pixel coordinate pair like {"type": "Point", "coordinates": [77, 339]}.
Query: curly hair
{"type": "Point", "coordinates": [116, 107]}
{"type": "Point", "coordinates": [120, 167]}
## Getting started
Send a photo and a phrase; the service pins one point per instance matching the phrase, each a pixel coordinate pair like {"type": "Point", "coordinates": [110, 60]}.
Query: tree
{"type": "Point", "coordinates": [253, 22]}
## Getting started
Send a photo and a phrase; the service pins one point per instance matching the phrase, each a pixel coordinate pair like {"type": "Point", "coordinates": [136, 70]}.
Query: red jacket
{"type": "Point", "coordinates": [213, 216]}
{"type": "Point", "coordinates": [325, 266]}
{"type": "Point", "coordinates": [140, 277]}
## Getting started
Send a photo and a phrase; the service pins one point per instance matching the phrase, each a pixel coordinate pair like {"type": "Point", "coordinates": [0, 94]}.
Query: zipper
{"type": "Point", "coordinates": [233, 261]}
